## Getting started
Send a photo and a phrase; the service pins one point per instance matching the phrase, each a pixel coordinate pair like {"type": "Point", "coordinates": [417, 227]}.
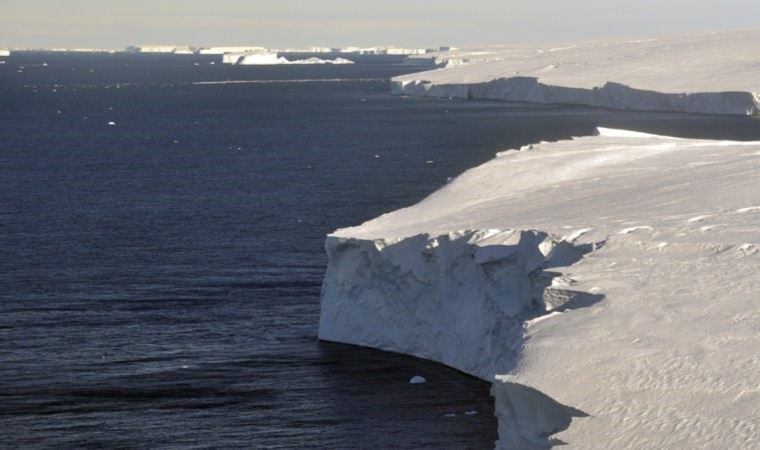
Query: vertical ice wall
{"type": "Point", "coordinates": [460, 299]}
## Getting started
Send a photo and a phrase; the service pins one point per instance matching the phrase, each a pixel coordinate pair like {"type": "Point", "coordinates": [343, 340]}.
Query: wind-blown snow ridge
{"type": "Point", "coordinates": [605, 284]}
{"type": "Point", "coordinates": [715, 73]}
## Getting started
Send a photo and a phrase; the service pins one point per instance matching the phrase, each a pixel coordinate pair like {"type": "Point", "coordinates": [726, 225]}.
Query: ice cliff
{"type": "Point", "coordinates": [459, 298]}
{"type": "Point", "coordinates": [605, 285]}
{"type": "Point", "coordinates": [716, 73]}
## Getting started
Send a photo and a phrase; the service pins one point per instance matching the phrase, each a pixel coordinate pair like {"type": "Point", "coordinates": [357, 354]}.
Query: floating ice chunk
{"type": "Point", "coordinates": [417, 380]}
{"type": "Point", "coordinates": [112, 124]}
{"type": "Point", "coordinates": [471, 413]}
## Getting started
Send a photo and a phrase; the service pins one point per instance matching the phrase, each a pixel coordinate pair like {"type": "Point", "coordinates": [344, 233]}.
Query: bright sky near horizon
{"type": "Point", "coordinates": [296, 23]}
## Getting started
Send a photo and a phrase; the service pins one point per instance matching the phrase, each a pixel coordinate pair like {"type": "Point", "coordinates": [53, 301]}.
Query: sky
{"type": "Point", "coordinates": [336, 23]}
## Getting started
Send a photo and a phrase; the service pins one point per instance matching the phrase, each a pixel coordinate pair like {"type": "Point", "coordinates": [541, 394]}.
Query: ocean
{"type": "Point", "coordinates": [161, 247]}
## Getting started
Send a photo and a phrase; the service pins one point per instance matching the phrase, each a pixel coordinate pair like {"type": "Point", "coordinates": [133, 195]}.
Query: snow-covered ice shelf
{"type": "Point", "coordinates": [607, 285]}
{"type": "Point", "coordinates": [717, 73]}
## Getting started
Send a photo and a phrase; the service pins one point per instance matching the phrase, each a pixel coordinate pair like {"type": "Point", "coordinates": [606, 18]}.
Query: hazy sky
{"type": "Point", "coordinates": [281, 23]}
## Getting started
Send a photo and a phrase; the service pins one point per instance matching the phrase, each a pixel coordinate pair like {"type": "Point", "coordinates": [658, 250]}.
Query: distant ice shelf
{"type": "Point", "coordinates": [715, 73]}
{"type": "Point", "coordinates": [606, 285]}
{"type": "Point", "coordinates": [265, 59]}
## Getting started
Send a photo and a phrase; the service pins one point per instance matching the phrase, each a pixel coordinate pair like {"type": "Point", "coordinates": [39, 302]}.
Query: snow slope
{"type": "Point", "coordinates": [606, 284]}
{"type": "Point", "coordinates": [716, 72]}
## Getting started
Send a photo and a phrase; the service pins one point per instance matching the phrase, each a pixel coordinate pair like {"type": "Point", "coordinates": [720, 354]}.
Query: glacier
{"type": "Point", "coordinates": [711, 73]}
{"type": "Point", "coordinates": [605, 285]}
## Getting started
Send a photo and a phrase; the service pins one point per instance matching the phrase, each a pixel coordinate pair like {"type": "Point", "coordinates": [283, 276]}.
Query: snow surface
{"type": "Point", "coordinates": [716, 72]}
{"type": "Point", "coordinates": [605, 284]}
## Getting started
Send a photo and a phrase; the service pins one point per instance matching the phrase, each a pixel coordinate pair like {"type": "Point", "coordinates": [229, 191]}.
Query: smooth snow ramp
{"type": "Point", "coordinates": [610, 277]}
{"type": "Point", "coordinates": [713, 73]}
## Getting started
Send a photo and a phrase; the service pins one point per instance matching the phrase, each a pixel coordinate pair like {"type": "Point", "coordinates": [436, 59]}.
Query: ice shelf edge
{"type": "Point", "coordinates": [611, 95]}
{"type": "Point", "coordinates": [460, 299]}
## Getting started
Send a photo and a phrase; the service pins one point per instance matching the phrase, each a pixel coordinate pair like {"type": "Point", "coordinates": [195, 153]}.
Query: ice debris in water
{"type": "Point", "coordinates": [417, 380]}
{"type": "Point", "coordinates": [111, 124]}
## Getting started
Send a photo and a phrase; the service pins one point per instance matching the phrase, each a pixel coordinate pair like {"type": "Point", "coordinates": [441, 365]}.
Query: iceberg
{"type": "Point", "coordinates": [5, 52]}
{"type": "Point", "coordinates": [320, 61]}
{"type": "Point", "coordinates": [235, 49]}
{"type": "Point", "coordinates": [175, 49]}
{"type": "Point", "coordinates": [386, 50]}
{"type": "Point", "coordinates": [715, 73]}
{"type": "Point", "coordinates": [262, 59]}
{"type": "Point", "coordinates": [605, 285]}
{"type": "Point", "coordinates": [256, 59]}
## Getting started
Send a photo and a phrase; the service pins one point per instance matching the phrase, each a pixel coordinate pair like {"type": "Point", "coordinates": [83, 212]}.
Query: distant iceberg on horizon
{"type": "Point", "coordinates": [269, 59]}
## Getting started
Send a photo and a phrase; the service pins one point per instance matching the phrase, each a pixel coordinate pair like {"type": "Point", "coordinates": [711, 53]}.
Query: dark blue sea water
{"type": "Point", "coordinates": [160, 277]}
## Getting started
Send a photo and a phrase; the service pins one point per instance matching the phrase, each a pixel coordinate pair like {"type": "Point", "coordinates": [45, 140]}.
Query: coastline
{"type": "Point", "coordinates": [498, 273]}
{"type": "Point", "coordinates": [542, 296]}
{"type": "Point", "coordinates": [707, 73]}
